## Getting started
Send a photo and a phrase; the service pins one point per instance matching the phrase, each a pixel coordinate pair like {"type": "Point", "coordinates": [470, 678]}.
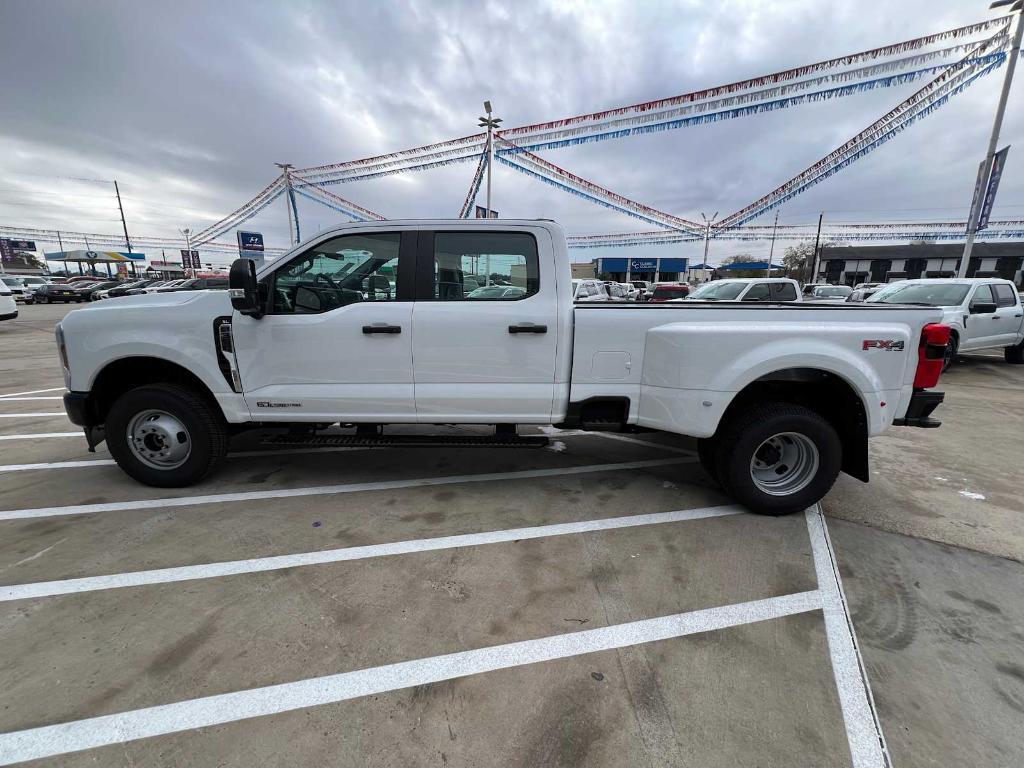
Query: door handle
{"type": "Point", "coordinates": [382, 328]}
{"type": "Point", "coordinates": [527, 328]}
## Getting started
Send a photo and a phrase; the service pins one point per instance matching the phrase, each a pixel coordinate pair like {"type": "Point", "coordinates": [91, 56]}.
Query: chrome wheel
{"type": "Point", "coordinates": [158, 439]}
{"type": "Point", "coordinates": [784, 464]}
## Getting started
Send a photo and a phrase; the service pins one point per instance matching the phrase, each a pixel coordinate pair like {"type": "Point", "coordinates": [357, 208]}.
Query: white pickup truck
{"type": "Point", "coordinates": [371, 324]}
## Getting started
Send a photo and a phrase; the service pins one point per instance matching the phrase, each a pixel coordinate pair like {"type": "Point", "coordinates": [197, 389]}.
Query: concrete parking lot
{"type": "Point", "coordinates": [595, 603]}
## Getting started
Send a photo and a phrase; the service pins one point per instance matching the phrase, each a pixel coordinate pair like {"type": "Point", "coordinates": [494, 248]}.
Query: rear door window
{"type": "Point", "coordinates": [783, 292]}
{"type": "Point", "coordinates": [1005, 295]}
{"type": "Point", "coordinates": [485, 266]}
{"type": "Point", "coordinates": [757, 292]}
{"type": "Point", "coordinates": [983, 295]}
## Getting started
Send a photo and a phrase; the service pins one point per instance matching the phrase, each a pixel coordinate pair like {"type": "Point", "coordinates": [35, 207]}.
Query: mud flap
{"type": "Point", "coordinates": [94, 436]}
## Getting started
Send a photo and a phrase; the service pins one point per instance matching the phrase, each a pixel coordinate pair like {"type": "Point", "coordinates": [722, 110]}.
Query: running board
{"type": "Point", "coordinates": [427, 441]}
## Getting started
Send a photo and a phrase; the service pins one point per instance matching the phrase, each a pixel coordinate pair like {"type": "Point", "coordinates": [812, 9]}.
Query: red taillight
{"type": "Point", "coordinates": [930, 355]}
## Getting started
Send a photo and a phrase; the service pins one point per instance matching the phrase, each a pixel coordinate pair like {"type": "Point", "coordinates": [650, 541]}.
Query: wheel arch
{"type": "Point", "coordinates": [127, 373]}
{"type": "Point", "coordinates": [825, 392]}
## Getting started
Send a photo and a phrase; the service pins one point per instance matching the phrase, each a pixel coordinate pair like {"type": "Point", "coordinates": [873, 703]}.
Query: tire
{"type": "Point", "coordinates": [147, 411]}
{"type": "Point", "coordinates": [752, 451]}
{"type": "Point", "coordinates": [1015, 354]}
{"type": "Point", "coordinates": [706, 452]}
{"type": "Point", "coordinates": [951, 350]}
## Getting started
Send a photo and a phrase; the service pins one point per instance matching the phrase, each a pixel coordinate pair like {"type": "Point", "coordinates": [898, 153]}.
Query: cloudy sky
{"type": "Point", "coordinates": [188, 105]}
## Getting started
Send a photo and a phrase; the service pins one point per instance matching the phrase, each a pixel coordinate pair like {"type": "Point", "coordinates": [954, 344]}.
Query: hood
{"type": "Point", "coordinates": [157, 300]}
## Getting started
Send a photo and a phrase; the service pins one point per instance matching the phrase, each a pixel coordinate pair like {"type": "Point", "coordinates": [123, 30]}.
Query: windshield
{"type": "Point", "coordinates": [670, 292]}
{"type": "Point", "coordinates": [13, 282]}
{"type": "Point", "coordinates": [927, 294]}
{"type": "Point", "coordinates": [719, 291]}
{"type": "Point", "coordinates": [833, 291]}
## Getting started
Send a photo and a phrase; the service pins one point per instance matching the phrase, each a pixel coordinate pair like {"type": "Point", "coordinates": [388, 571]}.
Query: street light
{"type": "Point", "coordinates": [707, 236]}
{"type": "Point", "coordinates": [986, 164]}
{"type": "Point", "coordinates": [490, 123]}
{"type": "Point", "coordinates": [188, 245]}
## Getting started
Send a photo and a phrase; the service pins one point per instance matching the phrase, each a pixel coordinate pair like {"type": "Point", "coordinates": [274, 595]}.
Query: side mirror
{"type": "Point", "coordinates": [243, 288]}
{"type": "Point", "coordinates": [982, 308]}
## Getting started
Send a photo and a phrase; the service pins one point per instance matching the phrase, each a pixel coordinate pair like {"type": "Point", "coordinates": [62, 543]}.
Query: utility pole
{"type": "Point", "coordinates": [60, 243]}
{"type": "Point", "coordinates": [188, 245]}
{"type": "Point", "coordinates": [289, 203]}
{"type": "Point", "coordinates": [814, 256]}
{"type": "Point", "coordinates": [1011, 63]}
{"type": "Point", "coordinates": [127, 242]}
{"type": "Point", "coordinates": [771, 251]}
{"type": "Point", "coordinates": [707, 239]}
{"type": "Point", "coordinates": [490, 123]}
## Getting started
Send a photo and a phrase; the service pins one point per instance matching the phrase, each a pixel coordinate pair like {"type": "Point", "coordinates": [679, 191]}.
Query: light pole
{"type": "Point", "coordinates": [771, 251]}
{"type": "Point", "coordinates": [188, 244]}
{"type": "Point", "coordinates": [1011, 62]}
{"type": "Point", "coordinates": [490, 123]}
{"type": "Point", "coordinates": [289, 203]}
{"type": "Point", "coordinates": [707, 238]}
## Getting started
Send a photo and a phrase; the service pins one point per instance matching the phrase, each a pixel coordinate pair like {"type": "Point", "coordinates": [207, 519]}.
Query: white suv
{"type": "Point", "coordinates": [747, 289]}
{"type": "Point", "coordinates": [8, 309]}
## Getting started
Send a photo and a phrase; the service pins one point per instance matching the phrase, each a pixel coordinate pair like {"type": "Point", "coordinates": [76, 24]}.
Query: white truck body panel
{"type": "Point", "coordinates": [679, 365]}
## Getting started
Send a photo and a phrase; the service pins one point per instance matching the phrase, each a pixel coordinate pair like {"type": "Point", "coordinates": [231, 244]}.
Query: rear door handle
{"type": "Point", "coordinates": [527, 328]}
{"type": "Point", "coordinates": [382, 328]}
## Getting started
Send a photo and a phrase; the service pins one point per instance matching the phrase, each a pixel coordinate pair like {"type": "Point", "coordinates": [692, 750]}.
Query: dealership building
{"type": "Point", "coordinates": [652, 270]}
{"type": "Point", "coordinates": [848, 265]}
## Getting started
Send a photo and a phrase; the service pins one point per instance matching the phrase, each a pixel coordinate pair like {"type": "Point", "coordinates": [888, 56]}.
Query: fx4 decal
{"type": "Point", "coordinates": [888, 345]}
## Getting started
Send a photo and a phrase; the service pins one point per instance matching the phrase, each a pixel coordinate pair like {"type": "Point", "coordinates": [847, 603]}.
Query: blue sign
{"type": "Point", "coordinates": [998, 163]}
{"type": "Point", "coordinates": [643, 265]}
{"type": "Point", "coordinates": [250, 241]}
{"type": "Point", "coordinates": [611, 265]}
{"type": "Point", "coordinates": [673, 265]}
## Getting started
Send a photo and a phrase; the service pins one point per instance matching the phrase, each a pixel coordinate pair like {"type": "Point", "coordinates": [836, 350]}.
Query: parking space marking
{"type": "Point", "coordinates": [262, 564]}
{"type": "Point", "coordinates": [25, 415]}
{"type": "Point", "coordinates": [645, 443]}
{"type": "Point", "coordinates": [77, 735]}
{"type": "Point", "coordinates": [860, 719]}
{"type": "Point", "coordinates": [32, 392]}
{"type": "Point", "coordinates": [10, 398]}
{"type": "Point", "coordinates": [324, 490]}
{"type": "Point", "coordinates": [40, 434]}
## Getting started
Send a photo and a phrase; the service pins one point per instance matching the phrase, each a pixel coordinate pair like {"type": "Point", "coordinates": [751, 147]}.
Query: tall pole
{"type": "Point", "coordinates": [814, 256]}
{"type": "Point", "coordinates": [707, 239]}
{"type": "Point", "coordinates": [123, 224]}
{"type": "Point", "coordinates": [294, 235]}
{"type": "Point", "coordinates": [771, 251]}
{"type": "Point", "coordinates": [60, 243]}
{"type": "Point", "coordinates": [490, 123]}
{"type": "Point", "coordinates": [972, 224]}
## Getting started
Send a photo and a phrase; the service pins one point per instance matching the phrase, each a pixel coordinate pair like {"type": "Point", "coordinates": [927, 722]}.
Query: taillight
{"type": "Point", "coordinates": [930, 355]}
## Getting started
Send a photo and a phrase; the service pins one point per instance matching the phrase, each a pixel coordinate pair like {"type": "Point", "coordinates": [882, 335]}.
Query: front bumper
{"type": "Point", "coordinates": [80, 408]}
{"type": "Point", "coordinates": [919, 412]}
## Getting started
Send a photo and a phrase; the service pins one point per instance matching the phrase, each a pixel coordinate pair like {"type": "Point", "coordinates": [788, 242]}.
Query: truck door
{"type": "Point", "coordinates": [1009, 313]}
{"type": "Point", "coordinates": [336, 341]}
{"type": "Point", "coordinates": [485, 355]}
{"type": "Point", "coordinates": [982, 329]}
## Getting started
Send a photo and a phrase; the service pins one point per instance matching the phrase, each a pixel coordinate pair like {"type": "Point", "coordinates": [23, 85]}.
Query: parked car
{"type": "Point", "coordinates": [8, 306]}
{"type": "Point", "coordinates": [221, 283]}
{"type": "Point", "coordinates": [669, 292]}
{"type": "Point", "coordinates": [644, 289]}
{"type": "Point", "coordinates": [15, 285]}
{"type": "Point", "coordinates": [616, 291]}
{"type": "Point", "coordinates": [868, 286]}
{"type": "Point", "coordinates": [149, 284]}
{"type": "Point", "coordinates": [770, 289]}
{"type": "Point", "coordinates": [862, 294]}
{"type": "Point", "coordinates": [487, 292]}
{"type": "Point", "coordinates": [90, 290]}
{"type": "Point", "coordinates": [53, 292]}
{"type": "Point", "coordinates": [982, 313]}
{"type": "Point", "coordinates": [829, 294]}
{"type": "Point", "coordinates": [774, 431]}
{"type": "Point", "coordinates": [119, 290]}
{"type": "Point", "coordinates": [171, 285]}
{"type": "Point", "coordinates": [588, 291]}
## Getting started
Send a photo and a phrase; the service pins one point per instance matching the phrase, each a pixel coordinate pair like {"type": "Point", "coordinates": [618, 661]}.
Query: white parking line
{"type": "Point", "coordinates": [10, 398]}
{"type": "Point", "coordinates": [24, 415]}
{"type": "Point", "coordinates": [645, 443]}
{"type": "Point", "coordinates": [32, 392]}
{"type": "Point", "coordinates": [262, 564]}
{"type": "Point", "coordinates": [74, 736]}
{"type": "Point", "coordinates": [41, 434]}
{"type": "Point", "coordinates": [322, 490]}
{"type": "Point", "coordinates": [863, 729]}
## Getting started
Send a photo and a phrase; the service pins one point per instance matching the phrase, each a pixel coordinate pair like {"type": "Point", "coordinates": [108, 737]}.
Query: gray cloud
{"type": "Point", "coordinates": [189, 104]}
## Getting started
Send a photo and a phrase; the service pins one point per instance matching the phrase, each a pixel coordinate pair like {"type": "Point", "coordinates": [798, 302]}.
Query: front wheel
{"type": "Point", "coordinates": [778, 458]}
{"type": "Point", "coordinates": [165, 435]}
{"type": "Point", "coordinates": [949, 356]}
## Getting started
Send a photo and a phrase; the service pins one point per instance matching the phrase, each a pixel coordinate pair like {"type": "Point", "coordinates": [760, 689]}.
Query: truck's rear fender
{"type": "Point", "coordinates": [822, 391]}
{"type": "Point", "coordinates": [705, 365]}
